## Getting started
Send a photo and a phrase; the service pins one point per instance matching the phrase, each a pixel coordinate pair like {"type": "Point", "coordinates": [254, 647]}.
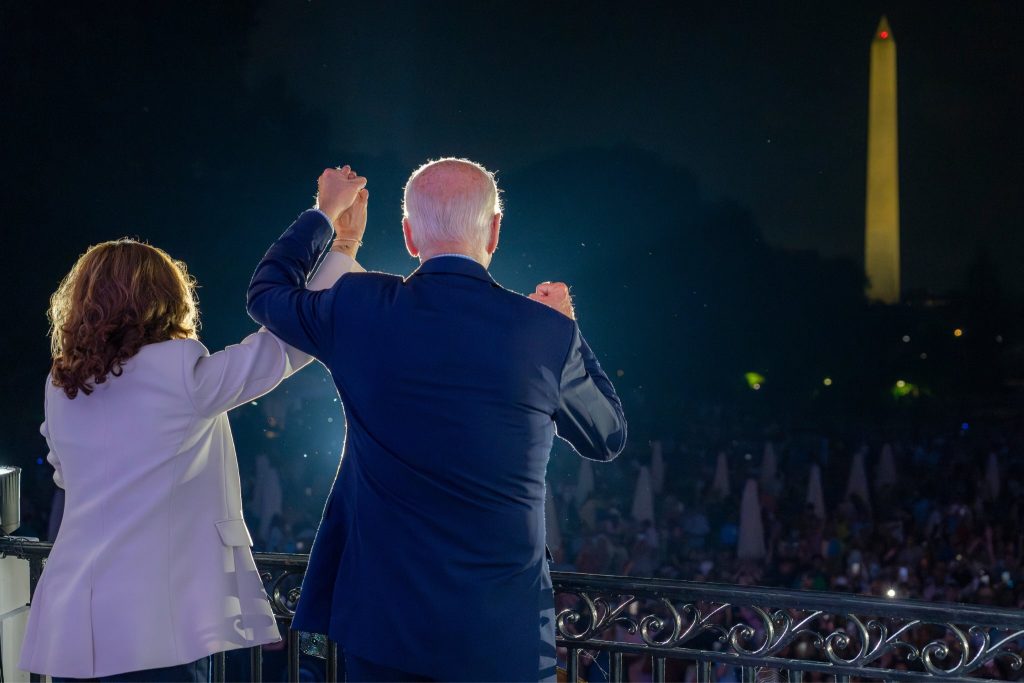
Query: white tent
{"type": "Point", "coordinates": [885, 475]}
{"type": "Point", "coordinates": [751, 537]}
{"type": "Point", "coordinates": [657, 467]}
{"type": "Point", "coordinates": [858, 481]}
{"type": "Point", "coordinates": [815, 493]}
{"type": "Point", "coordinates": [720, 484]}
{"type": "Point", "coordinates": [992, 476]}
{"type": "Point", "coordinates": [769, 468]}
{"type": "Point", "coordinates": [551, 522]}
{"type": "Point", "coordinates": [584, 482]}
{"type": "Point", "coordinates": [643, 497]}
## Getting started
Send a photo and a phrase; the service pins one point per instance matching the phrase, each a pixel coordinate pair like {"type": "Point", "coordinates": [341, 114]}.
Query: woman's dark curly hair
{"type": "Point", "coordinates": [118, 297]}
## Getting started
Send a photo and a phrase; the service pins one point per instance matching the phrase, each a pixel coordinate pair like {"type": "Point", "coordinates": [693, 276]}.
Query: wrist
{"type": "Point", "coordinates": [326, 218]}
{"type": "Point", "coordinates": [349, 247]}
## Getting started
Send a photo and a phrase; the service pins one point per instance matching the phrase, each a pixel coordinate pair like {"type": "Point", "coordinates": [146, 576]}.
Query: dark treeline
{"type": "Point", "coordinates": [685, 297]}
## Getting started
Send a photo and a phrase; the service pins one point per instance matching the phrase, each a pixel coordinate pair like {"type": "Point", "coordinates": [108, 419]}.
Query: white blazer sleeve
{"type": "Point", "coordinates": [51, 457]}
{"type": "Point", "coordinates": [224, 380]}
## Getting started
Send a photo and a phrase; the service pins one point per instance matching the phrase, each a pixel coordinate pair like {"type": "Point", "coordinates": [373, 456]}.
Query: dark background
{"type": "Point", "coordinates": [694, 170]}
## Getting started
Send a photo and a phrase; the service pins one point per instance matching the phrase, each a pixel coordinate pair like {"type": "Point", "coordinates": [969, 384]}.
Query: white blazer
{"type": "Point", "coordinates": [152, 566]}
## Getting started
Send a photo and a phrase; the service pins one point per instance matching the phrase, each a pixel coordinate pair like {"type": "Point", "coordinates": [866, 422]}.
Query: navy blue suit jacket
{"type": "Point", "coordinates": [431, 553]}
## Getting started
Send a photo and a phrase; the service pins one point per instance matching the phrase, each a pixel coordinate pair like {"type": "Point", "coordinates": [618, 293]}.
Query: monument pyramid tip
{"type": "Point", "coordinates": [883, 32]}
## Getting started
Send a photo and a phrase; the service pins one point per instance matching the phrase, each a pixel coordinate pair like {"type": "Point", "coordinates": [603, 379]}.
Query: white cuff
{"type": "Point", "coordinates": [331, 268]}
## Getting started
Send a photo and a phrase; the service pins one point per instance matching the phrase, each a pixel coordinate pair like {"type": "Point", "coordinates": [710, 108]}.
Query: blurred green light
{"type": "Point", "coordinates": [754, 380]}
{"type": "Point", "coordinates": [902, 388]}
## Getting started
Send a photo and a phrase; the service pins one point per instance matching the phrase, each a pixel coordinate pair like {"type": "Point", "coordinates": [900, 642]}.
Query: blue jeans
{"type": "Point", "coordinates": [195, 672]}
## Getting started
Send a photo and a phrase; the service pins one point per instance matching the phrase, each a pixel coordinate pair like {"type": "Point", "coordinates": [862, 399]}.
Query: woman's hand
{"type": "Point", "coordinates": [350, 226]}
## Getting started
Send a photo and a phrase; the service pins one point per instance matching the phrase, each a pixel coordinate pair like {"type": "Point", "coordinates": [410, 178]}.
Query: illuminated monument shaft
{"type": "Point", "coordinates": [882, 211]}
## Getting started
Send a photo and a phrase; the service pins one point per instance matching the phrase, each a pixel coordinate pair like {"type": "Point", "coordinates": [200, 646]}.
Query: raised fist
{"type": "Point", "coordinates": [337, 190]}
{"type": "Point", "coordinates": [556, 296]}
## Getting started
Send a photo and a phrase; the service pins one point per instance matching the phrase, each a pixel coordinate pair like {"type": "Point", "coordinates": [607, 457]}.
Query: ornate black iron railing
{"type": "Point", "coordinates": [688, 630]}
{"type": "Point", "coordinates": [701, 631]}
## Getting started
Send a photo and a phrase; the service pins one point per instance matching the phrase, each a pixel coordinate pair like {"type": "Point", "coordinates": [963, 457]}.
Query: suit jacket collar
{"type": "Point", "coordinates": [455, 266]}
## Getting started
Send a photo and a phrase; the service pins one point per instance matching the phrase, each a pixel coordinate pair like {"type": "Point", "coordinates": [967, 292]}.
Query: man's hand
{"type": "Point", "coordinates": [350, 226]}
{"type": "Point", "coordinates": [337, 190]}
{"type": "Point", "coordinates": [556, 296]}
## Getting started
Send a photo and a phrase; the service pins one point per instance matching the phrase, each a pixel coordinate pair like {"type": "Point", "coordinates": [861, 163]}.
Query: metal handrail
{"type": "Point", "coordinates": [799, 599]}
{"type": "Point", "coordinates": [754, 629]}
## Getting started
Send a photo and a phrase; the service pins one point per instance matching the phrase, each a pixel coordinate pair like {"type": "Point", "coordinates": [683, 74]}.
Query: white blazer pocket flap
{"type": "Point", "coordinates": [234, 532]}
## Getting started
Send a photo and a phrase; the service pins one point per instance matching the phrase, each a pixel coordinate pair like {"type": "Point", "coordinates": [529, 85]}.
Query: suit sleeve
{"type": "Point", "coordinates": [277, 297]}
{"type": "Point", "coordinates": [589, 414]}
{"type": "Point", "coordinates": [241, 372]}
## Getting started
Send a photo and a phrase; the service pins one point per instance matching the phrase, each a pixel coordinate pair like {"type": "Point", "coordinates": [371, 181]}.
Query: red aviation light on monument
{"type": "Point", "coordinates": [883, 31]}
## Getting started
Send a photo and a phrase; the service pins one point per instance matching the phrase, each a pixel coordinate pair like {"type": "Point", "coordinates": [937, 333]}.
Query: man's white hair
{"type": "Point", "coordinates": [451, 202]}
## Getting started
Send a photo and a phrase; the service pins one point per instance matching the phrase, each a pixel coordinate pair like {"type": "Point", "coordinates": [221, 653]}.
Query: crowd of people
{"type": "Point", "coordinates": [945, 530]}
{"type": "Point", "coordinates": [945, 525]}
{"type": "Point", "coordinates": [933, 515]}
{"type": "Point", "coordinates": [937, 518]}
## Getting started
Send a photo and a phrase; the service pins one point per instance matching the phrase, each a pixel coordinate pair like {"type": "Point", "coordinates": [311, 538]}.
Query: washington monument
{"type": "Point", "coordinates": [882, 206]}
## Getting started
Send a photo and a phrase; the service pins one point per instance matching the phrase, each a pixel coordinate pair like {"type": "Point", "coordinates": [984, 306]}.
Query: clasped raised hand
{"type": "Point", "coordinates": [337, 189]}
{"type": "Point", "coordinates": [351, 225]}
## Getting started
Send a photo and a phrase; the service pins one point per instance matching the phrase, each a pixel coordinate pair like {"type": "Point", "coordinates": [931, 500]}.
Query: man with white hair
{"type": "Point", "coordinates": [429, 563]}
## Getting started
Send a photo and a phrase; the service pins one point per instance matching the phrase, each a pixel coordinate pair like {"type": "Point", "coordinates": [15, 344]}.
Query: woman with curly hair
{"type": "Point", "coordinates": [152, 570]}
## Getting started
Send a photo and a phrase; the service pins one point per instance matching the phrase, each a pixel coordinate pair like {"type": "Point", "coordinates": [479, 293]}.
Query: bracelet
{"type": "Point", "coordinates": [349, 239]}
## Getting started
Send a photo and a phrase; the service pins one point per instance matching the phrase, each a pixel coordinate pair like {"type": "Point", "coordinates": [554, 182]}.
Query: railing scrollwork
{"type": "Point", "coordinates": [757, 627]}
{"type": "Point", "coordinates": [751, 628]}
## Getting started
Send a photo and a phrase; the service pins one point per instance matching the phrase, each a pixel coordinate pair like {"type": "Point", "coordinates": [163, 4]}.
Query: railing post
{"type": "Point", "coordinates": [704, 672]}
{"type": "Point", "coordinates": [332, 661]}
{"type": "Point", "coordinates": [572, 665]}
{"type": "Point", "coordinates": [658, 670]}
{"type": "Point", "coordinates": [293, 656]}
{"type": "Point", "coordinates": [256, 664]}
{"type": "Point", "coordinates": [615, 671]}
{"type": "Point", "coordinates": [219, 667]}
{"type": "Point", "coordinates": [35, 570]}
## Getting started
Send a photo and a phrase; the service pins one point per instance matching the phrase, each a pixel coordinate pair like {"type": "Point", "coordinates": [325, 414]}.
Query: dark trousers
{"type": "Point", "coordinates": [196, 672]}
{"type": "Point", "coordinates": [361, 671]}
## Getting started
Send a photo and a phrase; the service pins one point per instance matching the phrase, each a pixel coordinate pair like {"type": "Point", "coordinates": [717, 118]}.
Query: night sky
{"type": "Point", "coordinates": [765, 106]}
{"type": "Point", "coordinates": [202, 129]}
